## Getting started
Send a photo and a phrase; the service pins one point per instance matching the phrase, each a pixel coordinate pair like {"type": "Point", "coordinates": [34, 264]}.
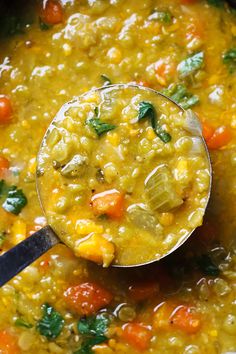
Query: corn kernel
{"type": "Point", "coordinates": [213, 333]}
{"type": "Point", "coordinates": [86, 226]}
{"type": "Point", "coordinates": [18, 231]}
{"type": "Point", "coordinates": [25, 124]}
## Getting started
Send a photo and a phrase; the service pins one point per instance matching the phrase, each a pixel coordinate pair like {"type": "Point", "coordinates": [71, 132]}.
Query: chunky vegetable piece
{"type": "Point", "coordinates": [186, 319]}
{"type": "Point", "coordinates": [190, 65]}
{"type": "Point", "coordinates": [8, 343]}
{"type": "Point", "coordinates": [110, 203]}
{"type": "Point", "coordinates": [221, 137]}
{"type": "Point", "coordinates": [5, 110]}
{"type": "Point", "coordinates": [137, 335]}
{"type": "Point", "coordinates": [13, 199]}
{"type": "Point", "coordinates": [51, 323]}
{"type": "Point", "coordinates": [87, 298]}
{"type": "Point", "coordinates": [52, 12]}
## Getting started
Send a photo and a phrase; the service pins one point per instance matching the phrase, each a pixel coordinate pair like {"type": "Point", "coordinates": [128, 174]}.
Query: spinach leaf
{"type": "Point", "coordinates": [20, 322]}
{"type": "Point", "coordinates": [147, 110]}
{"type": "Point", "coordinates": [3, 235]}
{"type": "Point", "coordinates": [106, 80]}
{"type": "Point", "coordinates": [162, 16]}
{"type": "Point", "coordinates": [179, 94]}
{"type": "Point", "coordinates": [14, 199]}
{"type": "Point", "coordinates": [190, 65]}
{"type": "Point", "coordinates": [207, 266]}
{"type": "Point", "coordinates": [94, 325]}
{"type": "Point", "coordinates": [229, 59]}
{"type": "Point", "coordinates": [51, 323]}
{"type": "Point", "coordinates": [86, 346]}
{"type": "Point", "coordinates": [96, 124]}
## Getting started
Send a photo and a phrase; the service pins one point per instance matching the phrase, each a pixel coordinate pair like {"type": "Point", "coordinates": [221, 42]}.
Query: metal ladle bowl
{"type": "Point", "coordinates": [27, 251]}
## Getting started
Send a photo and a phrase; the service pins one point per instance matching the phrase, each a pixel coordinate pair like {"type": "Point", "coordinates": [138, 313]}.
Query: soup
{"type": "Point", "coordinates": [124, 189]}
{"type": "Point", "coordinates": [52, 54]}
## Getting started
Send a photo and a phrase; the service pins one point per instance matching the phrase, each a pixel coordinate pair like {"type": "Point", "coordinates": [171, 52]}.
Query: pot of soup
{"type": "Point", "coordinates": [122, 173]}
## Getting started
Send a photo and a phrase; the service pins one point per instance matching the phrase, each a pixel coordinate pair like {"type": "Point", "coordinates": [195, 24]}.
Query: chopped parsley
{"type": "Point", "coordinates": [94, 328]}
{"type": "Point", "coordinates": [51, 323]}
{"type": "Point", "coordinates": [229, 59]}
{"type": "Point", "coordinates": [99, 126]}
{"type": "Point", "coordinates": [190, 65]}
{"type": "Point", "coordinates": [147, 110]}
{"type": "Point", "coordinates": [14, 199]}
{"type": "Point", "coordinates": [180, 94]}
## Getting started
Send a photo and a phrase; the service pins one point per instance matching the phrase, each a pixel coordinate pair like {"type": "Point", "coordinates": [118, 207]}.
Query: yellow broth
{"type": "Point", "coordinates": [185, 304]}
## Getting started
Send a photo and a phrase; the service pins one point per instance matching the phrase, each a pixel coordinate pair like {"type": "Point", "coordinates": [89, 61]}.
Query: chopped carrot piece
{"type": "Point", "coordinates": [163, 71]}
{"type": "Point", "coordinates": [143, 83]}
{"type": "Point", "coordinates": [221, 137]}
{"type": "Point", "coordinates": [207, 131]}
{"type": "Point", "coordinates": [5, 110]}
{"type": "Point", "coordinates": [137, 335]}
{"type": "Point", "coordinates": [195, 29]}
{"type": "Point", "coordinates": [186, 319]}
{"type": "Point", "coordinates": [110, 203]}
{"type": "Point", "coordinates": [4, 163]}
{"type": "Point", "coordinates": [143, 291]}
{"type": "Point", "coordinates": [8, 343]}
{"type": "Point", "coordinates": [87, 298]}
{"type": "Point", "coordinates": [52, 13]}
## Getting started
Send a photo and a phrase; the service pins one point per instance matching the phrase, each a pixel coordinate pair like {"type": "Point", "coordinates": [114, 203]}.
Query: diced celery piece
{"type": "Point", "coordinates": [159, 190]}
{"type": "Point", "coordinates": [141, 216]}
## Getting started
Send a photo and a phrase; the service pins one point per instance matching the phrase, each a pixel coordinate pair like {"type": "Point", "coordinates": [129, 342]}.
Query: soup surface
{"type": "Point", "coordinates": [124, 190]}
{"type": "Point", "coordinates": [52, 52]}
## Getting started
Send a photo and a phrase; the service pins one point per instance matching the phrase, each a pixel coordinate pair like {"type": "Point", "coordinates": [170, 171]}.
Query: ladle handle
{"type": "Point", "coordinates": [26, 252]}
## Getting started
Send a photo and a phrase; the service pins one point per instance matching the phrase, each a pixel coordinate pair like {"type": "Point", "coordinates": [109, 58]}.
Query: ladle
{"type": "Point", "coordinates": [27, 251]}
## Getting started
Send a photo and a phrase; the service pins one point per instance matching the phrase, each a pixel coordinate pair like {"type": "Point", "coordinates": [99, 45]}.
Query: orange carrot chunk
{"type": "Point", "coordinates": [186, 319]}
{"type": "Point", "coordinates": [5, 110]}
{"type": "Point", "coordinates": [4, 163]}
{"type": "Point", "coordinates": [143, 291]}
{"type": "Point", "coordinates": [221, 137]}
{"type": "Point", "coordinates": [87, 298]}
{"type": "Point", "coordinates": [110, 203]}
{"type": "Point", "coordinates": [8, 343]}
{"type": "Point", "coordinates": [52, 13]}
{"type": "Point", "coordinates": [137, 335]}
{"type": "Point", "coordinates": [207, 131]}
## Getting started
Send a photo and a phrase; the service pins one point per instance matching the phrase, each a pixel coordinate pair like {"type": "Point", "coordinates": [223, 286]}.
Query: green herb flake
{"type": "Point", "coordinates": [97, 125]}
{"type": "Point", "coordinates": [94, 327]}
{"type": "Point", "coordinates": [51, 323]}
{"type": "Point", "coordinates": [20, 322]}
{"type": "Point", "coordinates": [229, 59]}
{"type": "Point", "coordinates": [179, 94]}
{"type": "Point", "coordinates": [207, 266]}
{"type": "Point", "coordinates": [162, 16]}
{"type": "Point", "coordinates": [14, 199]}
{"type": "Point", "coordinates": [147, 110]}
{"type": "Point", "coordinates": [190, 65]}
{"type": "Point", "coordinates": [106, 80]}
